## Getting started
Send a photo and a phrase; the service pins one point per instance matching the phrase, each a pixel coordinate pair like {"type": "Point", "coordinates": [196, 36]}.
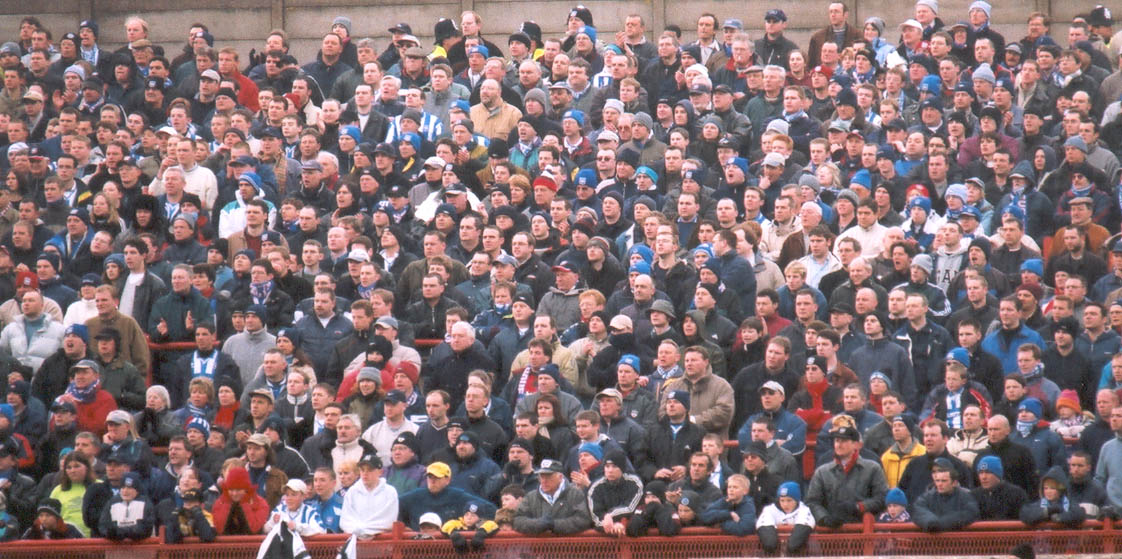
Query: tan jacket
{"type": "Point", "coordinates": [711, 401]}
{"type": "Point", "coordinates": [497, 122]}
{"type": "Point", "coordinates": [134, 345]}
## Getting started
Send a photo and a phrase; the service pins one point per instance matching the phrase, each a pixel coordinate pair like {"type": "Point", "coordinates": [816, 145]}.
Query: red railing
{"type": "Point", "coordinates": [867, 538]}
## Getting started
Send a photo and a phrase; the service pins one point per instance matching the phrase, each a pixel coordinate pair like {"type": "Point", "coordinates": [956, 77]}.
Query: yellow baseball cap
{"type": "Point", "coordinates": [439, 469]}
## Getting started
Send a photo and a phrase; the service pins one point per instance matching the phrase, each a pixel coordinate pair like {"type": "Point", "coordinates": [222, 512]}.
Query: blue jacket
{"type": "Point", "coordinates": [319, 340]}
{"type": "Point", "coordinates": [329, 511]}
{"type": "Point", "coordinates": [720, 512]}
{"type": "Point", "coordinates": [449, 503]}
{"type": "Point", "coordinates": [1007, 352]}
{"type": "Point", "coordinates": [737, 274]}
{"type": "Point", "coordinates": [473, 474]}
{"type": "Point", "coordinates": [790, 431]}
{"type": "Point", "coordinates": [1046, 446]}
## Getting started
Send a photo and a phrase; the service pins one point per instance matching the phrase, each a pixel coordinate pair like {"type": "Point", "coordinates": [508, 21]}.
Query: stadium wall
{"type": "Point", "coordinates": [244, 23]}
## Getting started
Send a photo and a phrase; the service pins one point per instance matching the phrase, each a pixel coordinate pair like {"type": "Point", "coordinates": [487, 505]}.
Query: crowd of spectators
{"type": "Point", "coordinates": [610, 282]}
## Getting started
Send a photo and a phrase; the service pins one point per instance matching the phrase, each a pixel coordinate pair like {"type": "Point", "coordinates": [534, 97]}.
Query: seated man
{"type": "Point", "coordinates": [946, 506]}
{"type": "Point", "coordinates": [438, 496]}
{"type": "Point", "coordinates": [557, 506]}
{"type": "Point", "coordinates": [843, 490]}
{"type": "Point", "coordinates": [614, 496]}
{"type": "Point", "coordinates": [370, 505]}
{"type": "Point", "coordinates": [997, 499]}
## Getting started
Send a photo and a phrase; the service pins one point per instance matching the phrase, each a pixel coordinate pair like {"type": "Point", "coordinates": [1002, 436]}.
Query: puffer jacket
{"type": "Point", "coordinates": [31, 353]}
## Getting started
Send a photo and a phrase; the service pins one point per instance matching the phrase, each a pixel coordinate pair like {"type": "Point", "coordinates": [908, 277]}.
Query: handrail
{"type": "Point", "coordinates": [865, 538]}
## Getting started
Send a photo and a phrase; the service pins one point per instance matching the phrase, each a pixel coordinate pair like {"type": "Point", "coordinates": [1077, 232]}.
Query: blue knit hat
{"type": "Point", "coordinates": [896, 497]}
{"type": "Point", "coordinates": [643, 250]}
{"type": "Point", "coordinates": [1034, 265]}
{"type": "Point", "coordinates": [790, 489]}
{"type": "Point", "coordinates": [593, 449]}
{"type": "Point", "coordinates": [991, 464]}
{"type": "Point", "coordinates": [630, 360]}
{"type": "Point", "coordinates": [1033, 405]}
{"type": "Point", "coordinates": [200, 424]}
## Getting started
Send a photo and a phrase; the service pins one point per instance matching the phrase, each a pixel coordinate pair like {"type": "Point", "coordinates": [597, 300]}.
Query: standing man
{"type": "Point", "coordinates": [838, 31]}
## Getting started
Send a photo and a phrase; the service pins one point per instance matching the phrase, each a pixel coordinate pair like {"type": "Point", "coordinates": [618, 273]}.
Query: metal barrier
{"type": "Point", "coordinates": [867, 538]}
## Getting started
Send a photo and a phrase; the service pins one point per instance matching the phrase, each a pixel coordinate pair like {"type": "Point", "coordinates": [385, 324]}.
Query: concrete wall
{"type": "Point", "coordinates": [244, 23]}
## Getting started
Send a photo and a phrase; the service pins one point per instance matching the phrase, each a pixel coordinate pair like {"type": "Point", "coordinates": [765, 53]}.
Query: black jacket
{"type": "Point", "coordinates": [1018, 463]}
{"type": "Point", "coordinates": [1003, 502]}
{"type": "Point", "coordinates": [667, 450]}
{"type": "Point", "coordinates": [150, 289]}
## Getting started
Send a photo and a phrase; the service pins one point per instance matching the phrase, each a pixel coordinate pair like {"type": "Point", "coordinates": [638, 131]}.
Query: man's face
{"type": "Point", "coordinates": [998, 430]}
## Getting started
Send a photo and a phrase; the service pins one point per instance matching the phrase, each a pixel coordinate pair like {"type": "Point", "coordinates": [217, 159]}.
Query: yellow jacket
{"type": "Point", "coordinates": [894, 461]}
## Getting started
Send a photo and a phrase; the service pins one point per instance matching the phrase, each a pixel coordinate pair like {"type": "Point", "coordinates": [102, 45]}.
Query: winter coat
{"type": "Point", "coordinates": [133, 520]}
{"type": "Point", "coordinates": [941, 512]}
{"type": "Point", "coordinates": [1061, 510]}
{"type": "Point", "coordinates": [567, 515]}
{"type": "Point", "coordinates": [711, 401]}
{"type": "Point", "coordinates": [835, 494]}
{"type": "Point", "coordinates": [31, 352]}
{"type": "Point", "coordinates": [173, 308]}
{"type": "Point", "coordinates": [1002, 502]}
{"type": "Point", "coordinates": [616, 498]}
{"type": "Point", "coordinates": [1046, 446]}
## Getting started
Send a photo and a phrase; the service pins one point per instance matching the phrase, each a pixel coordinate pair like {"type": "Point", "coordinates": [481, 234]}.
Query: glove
{"type": "Point", "coordinates": [1055, 508]}
{"type": "Point", "coordinates": [830, 521]}
{"type": "Point", "coordinates": [477, 539]}
{"type": "Point", "coordinates": [547, 523]}
{"type": "Point", "coordinates": [1109, 512]}
{"type": "Point", "coordinates": [459, 542]}
{"type": "Point", "coordinates": [935, 526]}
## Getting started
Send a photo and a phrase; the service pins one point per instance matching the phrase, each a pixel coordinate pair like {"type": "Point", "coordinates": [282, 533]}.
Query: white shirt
{"type": "Point", "coordinates": [368, 512]}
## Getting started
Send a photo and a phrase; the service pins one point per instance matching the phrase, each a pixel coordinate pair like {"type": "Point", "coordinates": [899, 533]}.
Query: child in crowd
{"type": "Point", "coordinates": [511, 497]}
{"type": "Point", "coordinates": [301, 518]}
{"type": "Point", "coordinates": [470, 522]}
{"type": "Point", "coordinates": [1070, 419]}
{"type": "Point", "coordinates": [788, 511]}
{"type": "Point", "coordinates": [896, 503]}
{"type": "Point", "coordinates": [429, 527]}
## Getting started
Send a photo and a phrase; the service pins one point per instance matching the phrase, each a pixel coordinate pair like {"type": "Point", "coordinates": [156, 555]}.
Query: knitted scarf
{"type": "Point", "coordinates": [84, 395]}
{"type": "Point", "coordinates": [260, 291]}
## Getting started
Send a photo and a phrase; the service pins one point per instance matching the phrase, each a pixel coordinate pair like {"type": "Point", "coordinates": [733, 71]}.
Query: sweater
{"type": "Point", "coordinates": [368, 512]}
{"type": "Point", "coordinates": [248, 350]}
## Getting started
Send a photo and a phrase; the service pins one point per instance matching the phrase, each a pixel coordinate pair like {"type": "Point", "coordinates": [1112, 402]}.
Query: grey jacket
{"type": "Point", "coordinates": [833, 492]}
{"type": "Point", "coordinates": [567, 515]}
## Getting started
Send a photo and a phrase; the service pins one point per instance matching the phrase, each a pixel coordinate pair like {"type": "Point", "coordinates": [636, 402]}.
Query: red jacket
{"type": "Point", "coordinates": [247, 92]}
{"type": "Point", "coordinates": [255, 508]}
{"type": "Point", "coordinates": [91, 417]}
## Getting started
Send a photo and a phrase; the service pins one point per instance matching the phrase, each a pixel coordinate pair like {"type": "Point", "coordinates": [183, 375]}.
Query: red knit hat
{"type": "Point", "coordinates": [1070, 399]}
{"type": "Point", "coordinates": [27, 279]}
{"type": "Point", "coordinates": [238, 478]}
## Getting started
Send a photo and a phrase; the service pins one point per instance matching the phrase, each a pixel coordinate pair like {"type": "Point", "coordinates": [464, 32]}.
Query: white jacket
{"type": "Point", "coordinates": [772, 515]}
{"type": "Point", "coordinates": [32, 352]}
{"type": "Point", "coordinates": [368, 513]}
{"type": "Point", "coordinates": [79, 312]}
